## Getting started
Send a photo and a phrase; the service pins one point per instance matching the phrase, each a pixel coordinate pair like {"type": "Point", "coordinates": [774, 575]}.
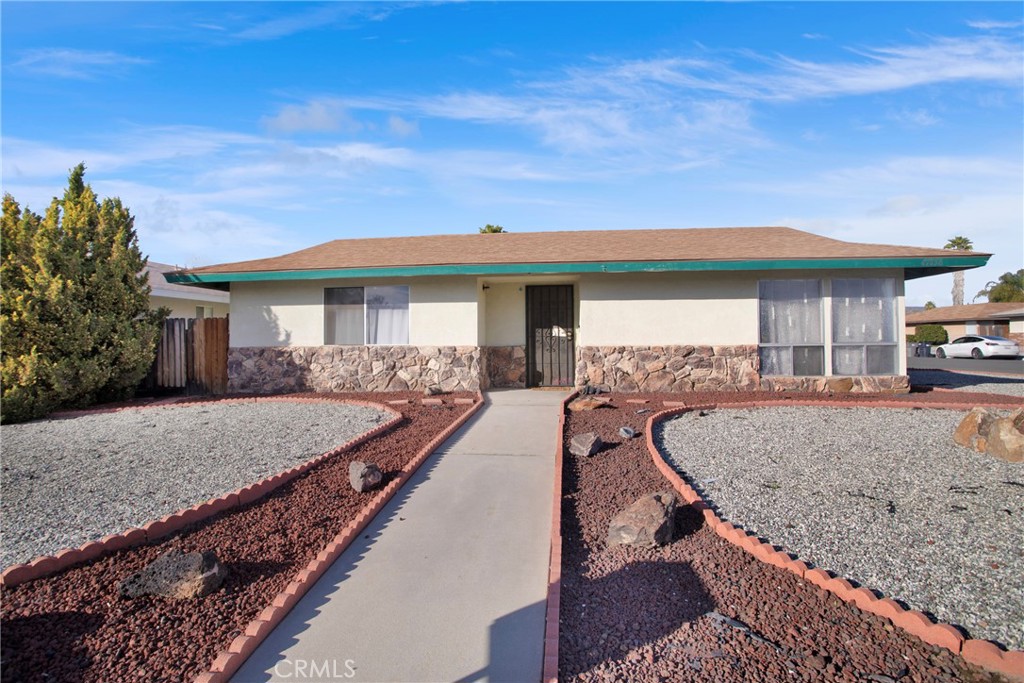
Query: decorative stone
{"type": "Point", "coordinates": [1017, 418]}
{"type": "Point", "coordinates": [364, 476]}
{"type": "Point", "coordinates": [585, 445]}
{"type": "Point", "coordinates": [647, 523]}
{"type": "Point", "coordinates": [1005, 440]}
{"type": "Point", "coordinates": [973, 430]}
{"type": "Point", "coordinates": [432, 390]}
{"type": "Point", "coordinates": [839, 385]}
{"type": "Point", "coordinates": [626, 432]}
{"type": "Point", "coordinates": [176, 575]}
{"type": "Point", "coordinates": [587, 403]}
{"type": "Point", "coordinates": [353, 368]}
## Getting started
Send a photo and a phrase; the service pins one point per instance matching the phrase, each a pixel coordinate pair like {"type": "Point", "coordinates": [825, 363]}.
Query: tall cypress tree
{"type": "Point", "coordinates": [74, 311]}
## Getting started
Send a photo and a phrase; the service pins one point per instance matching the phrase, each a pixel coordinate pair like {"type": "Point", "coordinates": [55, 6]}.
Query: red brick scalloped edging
{"type": "Point", "coordinates": [983, 653]}
{"type": "Point", "coordinates": [550, 671]}
{"type": "Point", "coordinates": [47, 565]}
{"type": "Point", "coordinates": [230, 660]}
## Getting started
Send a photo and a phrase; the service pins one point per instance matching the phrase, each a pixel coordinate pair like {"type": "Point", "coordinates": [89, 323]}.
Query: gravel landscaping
{"type": "Point", "coordinates": [69, 481]}
{"type": "Point", "coordinates": [880, 496]}
{"type": "Point", "coordinates": [701, 609]}
{"type": "Point", "coordinates": [75, 626]}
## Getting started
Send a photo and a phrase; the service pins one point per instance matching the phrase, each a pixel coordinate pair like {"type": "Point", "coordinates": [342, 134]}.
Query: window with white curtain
{"type": "Point", "coordinates": [864, 326]}
{"type": "Point", "coordinates": [791, 334]}
{"type": "Point", "coordinates": [366, 315]}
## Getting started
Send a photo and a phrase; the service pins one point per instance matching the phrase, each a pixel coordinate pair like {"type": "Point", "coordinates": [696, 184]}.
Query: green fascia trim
{"type": "Point", "coordinates": [919, 266]}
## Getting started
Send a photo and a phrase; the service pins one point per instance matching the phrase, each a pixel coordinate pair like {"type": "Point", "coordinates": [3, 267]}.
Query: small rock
{"type": "Point", "coordinates": [364, 476]}
{"type": "Point", "coordinates": [585, 445]}
{"type": "Point", "coordinates": [432, 391]}
{"type": "Point", "coordinates": [817, 662]}
{"type": "Point", "coordinates": [587, 403]}
{"type": "Point", "coordinates": [176, 575]}
{"type": "Point", "coordinates": [648, 522]}
{"type": "Point", "coordinates": [626, 432]}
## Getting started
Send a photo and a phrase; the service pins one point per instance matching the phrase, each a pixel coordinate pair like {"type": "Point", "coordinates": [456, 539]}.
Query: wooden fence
{"type": "Point", "coordinates": [193, 355]}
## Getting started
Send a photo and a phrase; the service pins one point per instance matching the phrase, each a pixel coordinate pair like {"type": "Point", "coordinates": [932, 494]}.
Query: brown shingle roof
{"type": "Point", "coordinates": [595, 246]}
{"type": "Point", "coordinates": [949, 314]}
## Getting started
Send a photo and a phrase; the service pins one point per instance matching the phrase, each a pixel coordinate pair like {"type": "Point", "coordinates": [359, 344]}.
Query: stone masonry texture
{"type": "Point", "coordinates": [354, 368]}
{"type": "Point", "coordinates": [679, 368]}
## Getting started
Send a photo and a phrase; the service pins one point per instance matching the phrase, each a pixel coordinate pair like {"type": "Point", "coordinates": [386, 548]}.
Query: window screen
{"type": "Point", "coordinates": [864, 326]}
{"type": "Point", "coordinates": [366, 315]}
{"type": "Point", "coordinates": [790, 314]}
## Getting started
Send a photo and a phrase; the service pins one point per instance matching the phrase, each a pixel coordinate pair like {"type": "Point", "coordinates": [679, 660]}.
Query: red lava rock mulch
{"type": "Point", "coordinates": [701, 609]}
{"type": "Point", "coordinates": [74, 627]}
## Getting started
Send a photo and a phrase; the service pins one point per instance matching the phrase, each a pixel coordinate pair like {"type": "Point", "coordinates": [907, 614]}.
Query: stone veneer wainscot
{"type": "Point", "coordinates": [506, 366]}
{"type": "Point", "coordinates": [706, 368]}
{"type": "Point", "coordinates": [353, 368]}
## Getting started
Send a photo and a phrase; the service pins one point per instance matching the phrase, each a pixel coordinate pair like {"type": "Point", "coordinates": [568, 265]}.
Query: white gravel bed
{"type": "Point", "coordinates": [66, 482]}
{"type": "Point", "coordinates": [880, 496]}
{"type": "Point", "coordinates": [962, 381]}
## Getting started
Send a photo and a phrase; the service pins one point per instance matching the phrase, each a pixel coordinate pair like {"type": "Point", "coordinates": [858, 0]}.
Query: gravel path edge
{"type": "Point", "coordinates": [48, 565]}
{"type": "Point", "coordinates": [230, 660]}
{"type": "Point", "coordinates": [984, 653]}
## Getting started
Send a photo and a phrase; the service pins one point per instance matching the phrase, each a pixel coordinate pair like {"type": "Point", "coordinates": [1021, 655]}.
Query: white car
{"type": "Point", "coordinates": [978, 346]}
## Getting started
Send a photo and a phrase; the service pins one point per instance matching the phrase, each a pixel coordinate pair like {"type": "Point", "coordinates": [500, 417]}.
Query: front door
{"type": "Point", "coordinates": [550, 349]}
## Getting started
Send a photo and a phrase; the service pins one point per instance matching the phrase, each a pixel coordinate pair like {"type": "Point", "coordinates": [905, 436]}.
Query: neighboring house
{"type": "Point", "coordinates": [647, 310]}
{"type": "Point", "coordinates": [998, 319]}
{"type": "Point", "coordinates": [185, 301]}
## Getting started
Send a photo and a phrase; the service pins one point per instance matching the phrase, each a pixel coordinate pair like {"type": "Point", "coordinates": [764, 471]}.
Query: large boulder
{"type": "Point", "coordinates": [585, 445]}
{"type": "Point", "coordinates": [647, 523]}
{"type": "Point", "coordinates": [176, 575]}
{"type": "Point", "coordinates": [364, 476]}
{"type": "Point", "coordinates": [1006, 440]}
{"type": "Point", "coordinates": [973, 430]}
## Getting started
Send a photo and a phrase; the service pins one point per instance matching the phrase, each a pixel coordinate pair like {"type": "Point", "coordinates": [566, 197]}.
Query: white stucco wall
{"type": "Point", "coordinates": [442, 311]}
{"type": "Point", "coordinates": [505, 314]}
{"type": "Point", "coordinates": [186, 308]}
{"type": "Point", "coordinates": [644, 309]}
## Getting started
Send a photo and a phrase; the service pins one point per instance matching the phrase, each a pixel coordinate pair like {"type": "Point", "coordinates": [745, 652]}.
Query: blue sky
{"type": "Point", "coordinates": [239, 130]}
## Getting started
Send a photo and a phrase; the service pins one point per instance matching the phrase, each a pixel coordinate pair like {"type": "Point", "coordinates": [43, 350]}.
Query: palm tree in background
{"type": "Point", "coordinates": [959, 243]}
{"type": "Point", "coordinates": [1009, 287]}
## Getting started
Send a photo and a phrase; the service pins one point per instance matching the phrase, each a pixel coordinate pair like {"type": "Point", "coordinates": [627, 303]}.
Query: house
{"type": "Point", "coordinates": [184, 301]}
{"type": "Point", "coordinates": [997, 319]}
{"type": "Point", "coordinates": [648, 310]}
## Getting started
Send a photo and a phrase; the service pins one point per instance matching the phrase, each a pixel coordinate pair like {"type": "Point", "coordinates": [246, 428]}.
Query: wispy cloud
{"type": "Point", "coordinates": [915, 118]}
{"type": "Point", "coordinates": [987, 25]}
{"type": "Point", "coordinates": [402, 128]}
{"type": "Point", "coordinates": [334, 14]}
{"type": "Point", "coordinates": [77, 64]}
{"type": "Point", "coordinates": [316, 115]}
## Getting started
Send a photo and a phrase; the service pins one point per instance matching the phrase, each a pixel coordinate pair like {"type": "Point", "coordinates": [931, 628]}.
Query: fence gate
{"type": "Point", "coordinates": [192, 354]}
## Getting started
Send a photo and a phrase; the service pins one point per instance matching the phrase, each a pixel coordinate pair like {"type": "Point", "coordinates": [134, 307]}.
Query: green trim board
{"type": "Point", "coordinates": [915, 267]}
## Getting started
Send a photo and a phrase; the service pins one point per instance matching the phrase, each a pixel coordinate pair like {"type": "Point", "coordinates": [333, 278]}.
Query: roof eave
{"type": "Point", "coordinates": [914, 267]}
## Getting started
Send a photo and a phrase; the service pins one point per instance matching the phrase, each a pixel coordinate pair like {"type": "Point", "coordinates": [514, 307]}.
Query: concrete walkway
{"type": "Point", "coordinates": [448, 583]}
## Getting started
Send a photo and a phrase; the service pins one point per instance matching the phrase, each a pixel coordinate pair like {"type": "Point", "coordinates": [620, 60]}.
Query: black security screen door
{"type": "Point", "coordinates": [550, 352]}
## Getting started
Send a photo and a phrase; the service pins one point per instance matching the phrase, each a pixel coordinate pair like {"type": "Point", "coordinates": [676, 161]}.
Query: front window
{"type": "Point", "coordinates": [791, 328]}
{"type": "Point", "coordinates": [864, 326]}
{"type": "Point", "coordinates": [366, 315]}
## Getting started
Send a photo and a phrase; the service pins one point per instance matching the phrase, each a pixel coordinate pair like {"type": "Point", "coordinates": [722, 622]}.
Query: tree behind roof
{"type": "Point", "coordinates": [1008, 288]}
{"type": "Point", "coordinates": [74, 311]}
{"type": "Point", "coordinates": [491, 229]}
